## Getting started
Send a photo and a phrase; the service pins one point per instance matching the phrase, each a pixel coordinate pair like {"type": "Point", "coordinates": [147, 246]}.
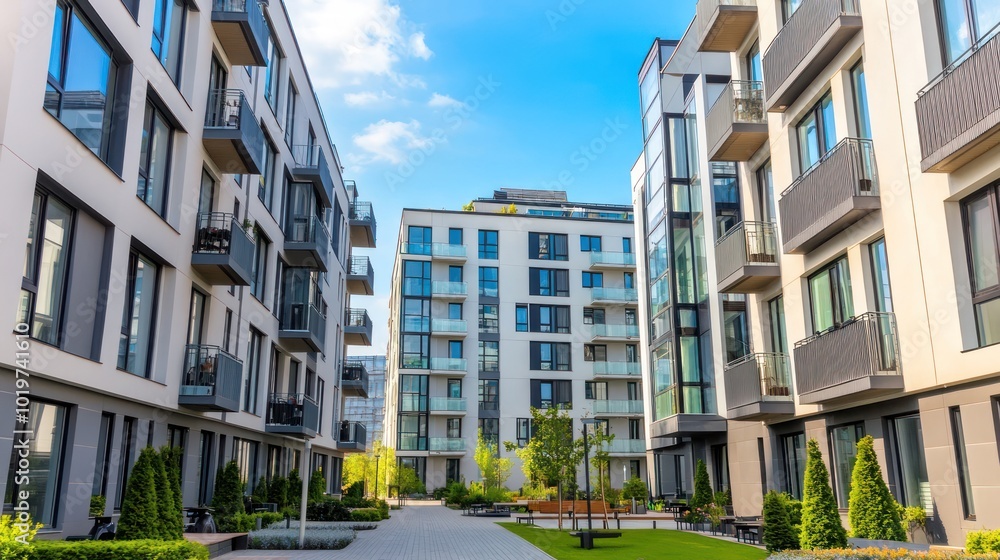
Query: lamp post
{"type": "Point", "coordinates": [377, 455]}
{"type": "Point", "coordinates": [586, 469]}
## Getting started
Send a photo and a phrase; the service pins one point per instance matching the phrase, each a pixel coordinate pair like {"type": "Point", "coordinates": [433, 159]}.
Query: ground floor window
{"type": "Point", "coordinates": [453, 470]}
{"type": "Point", "coordinates": [793, 447]}
{"type": "Point", "coordinates": [46, 423]}
{"type": "Point", "coordinates": [844, 443]}
{"type": "Point", "coordinates": [913, 487]}
{"type": "Point", "coordinates": [418, 464]}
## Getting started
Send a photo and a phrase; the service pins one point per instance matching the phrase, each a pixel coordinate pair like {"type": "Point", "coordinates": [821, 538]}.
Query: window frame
{"type": "Point", "coordinates": [962, 463]}
{"type": "Point", "coordinates": [129, 311]}
{"type": "Point", "coordinates": [557, 246]}
{"type": "Point", "coordinates": [489, 244]}
{"type": "Point", "coordinates": [484, 284]}
{"type": "Point", "coordinates": [987, 294]}
{"type": "Point", "coordinates": [840, 305]}
{"type": "Point", "coordinates": [165, 39]}
{"type": "Point", "coordinates": [816, 112]}
{"type": "Point", "coordinates": [863, 126]}
{"type": "Point", "coordinates": [31, 285]}
{"type": "Point", "coordinates": [154, 112]}
{"type": "Point", "coordinates": [587, 243]}
{"type": "Point", "coordinates": [835, 472]}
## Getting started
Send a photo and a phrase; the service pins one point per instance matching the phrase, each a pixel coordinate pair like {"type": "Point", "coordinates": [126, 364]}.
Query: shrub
{"type": "Point", "coordinates": [876, 554]}
{"type": "Point", "coordinates": [14, 543]}
{"type": "Point", "coordinates": [118, 550]}
{"type": "Point", "coordinates": [288, 539]}
{"type": "Point", "coordinates": [294, 488]}
{"type": "Point", "coordinates": [383, 508]}
{"type": "Point", "coordinates": [366, 514]}
{"type": "Point", "coordinates": [702, 487]}
{"type": "Point", "coordinates": [277, 491]}
{"type": "Point", "coordinates": [821, 527]}
{"type": "Point", "coordinates": [635, 487]}
{"type": "Point", "coordinates": [872, 511]}
{"type": "Point", "coordinates": [172, 462]}
{"type": "Point", "coordinates": [912, 516]}
{"type": "Point", "coordinates": [314, 525]}
{"type": "Point", "coordinates": [260, 492]}
{"type": "Point", "coordinates": [171, 516]}
{"type": "Point", "coordinates": [724, 497]}
{"type": "Point", "coordinates": [356, 490]}
{"type": "Point", "coordinates": [98, 504]}
{"type": "Point", "coordinates": [140, 517]}
{"type": "Point", "coordinates": [982, 542]}
{"type": "Point", "coordinates": [328, 510]}
{"type": "Point", "coordinates": [455, 492]}
{"type": "Point", "coordinates": [317, 486]}
{"type": "Point", "coordinates": [228, 499]}
{"type": "Point", "coordinates": [779, 531]}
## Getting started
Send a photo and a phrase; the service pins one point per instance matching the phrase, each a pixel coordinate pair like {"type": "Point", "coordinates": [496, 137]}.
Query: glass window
{"type": "Point", "coordinates": [981, 240]}
{"type": "Point", "coordinates": [590, 243]}
{"type": "Point", "coordinates": [488, 244]}
{"type": "Point", "coordinates": [258, 272]}
{"type": "Point", "coordinates": [490, 428]}
{"type": "Point", "coordinates": [455, 236]}
{"type": "Point", "coordinates": [794, 454]}
{"type": "Point", "coordinates": [169, 17]}
{"type": "Point", "coordinates": [816, 133]}
{"type": "Point", "coordinates": [489, 281]}
{"type": "Point", "coordinates": [776, 323]}
{"type": "Point", "coordinates": [489, 318]}
{"type": "Point", "coordinates": [126, 454]}
{"type": "Point", "coordinates": [595, 353]}
{"type": "Point", "coordinates": [595, 390]}
{"type": "Point", "coordinates": [524, 431]}
{"type": "Point", "coordinates": [548, 282]}
{"type": "Point", "coordinates": [489, 394]}
{"type": "Point", "coordinates": [135, 341]}
{"type": "Point", "coordinates": [454, 427]}
{"type": "Point", "coordinates": [737, 334]}
{"type": "Point", "coordinates": [962, 462]}
{"type": "Point", "coordinates": [765, 193]}
{"type": "Point", "coordinates": [290, 115]}
{"type": "Point", "coordinates": [755, 72]}
{"type": "Point", "coordinates": [418, 240]}
{"type": "Point", "coordinates": [454, 310]}
{"type": "Point", "coordinates": [911, 466]}
{"type": "Point", "coordinates": [454, 348]}
{"type": "Point", "coordinates": [455, 273]}
{"type": "Point", "coordinates": [830, 296]}
{"type": "Point", "coordinates": [522, 318]}
{"type": "Point", "coordinates": [964, 22]}
{"type": "Point", "coordinates": [154, 159]}
{"type": "Point", "coordinates": [550, 356]}
{"type": "Point", "coordinates": [412, 434]}
{"type": "Point", "coordinates": [844, 442]}
{"type": "Point", "coordinates": [548, 246]}
{"type": "Point", "coordinates": [489, 355]}
{"type": "Point", "coordinates": [593, 316]}
{"type": "Point", "coordinates": [268, 175]}
{"type": "Point", "coordinates": [272, 73]}
{"type": "Point", "coordinates": [46, 267]}
{"type": "Point", "coordinates": [880, 276]}
{"type": "Point", "coordinates": [789, 7]}
{"type": "Point", "coordinates": [252, 379]}
{"type": "Point", "coordinates": [416, 351]}
{"type": "Point", "coordinates": [862, 118]}
{"type": "Point", "coordinates": [593, 279]}
{"type": "Point", "coordinates": [45, 457]}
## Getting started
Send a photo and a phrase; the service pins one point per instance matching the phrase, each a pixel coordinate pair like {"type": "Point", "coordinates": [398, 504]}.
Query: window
{"type": "Point", "coordinates": [489, 394]}
{"type": "Point", "coordinates": [81, 67]}
{"type": "Point", "coordinates": [453, 470]}
{"type": "Point", "coordinates": [793, 448]}
{"type": "Point", "coordinates": [488, 241]}
{"type": "Point", "coordinates": [418, 240]}
{"type": "Point", "coordinates": [154, 159]}
{"type": "Point", "coordinates": [765, 193]}
{"type": "Point", "coordinates": [521, 318]}
{"type": "Point", "coordinates": [417, 279]}
{"type": "Point", "coordinates": [593, 316]}
{"type": "Point", "coordinates": [455, 273]}
{"type": "Point", "coordinates": [910, 465]}
{"type": "Point", "coordinates": [595, 353]}
{"type": "Point", "coordinates": [489, 318]}
{"type": "Point", "coordinates": [549, 318]}
{"type": "Point", "coordinates": [126, 456]}
{"type": "Point", "coordinates": [205, 473]}
{"type": "Point", "coordinates": [454, 427]}
{"type": "Point", "coordinates": [629, 278]}
{"type": "Point", "coordinates": [290, 115]}
{"type": "Point", "coordinates": [755, 72]}
{"type": "Point", "coordinates": [736, 330]}
{"type": "Point", "coordinates": [227, 329]}
{"type": "Point", "coordinates": [548, 246]}
{"type": "Point", "coordinates": [455, 236]}
{"type": "Point", "coordinates": [548, 282]}
{"type": "Point", "coordinates": [776, 323]}
{"type": "Point", "coordinates": [454, 310]}
{"type": "Point", "coordinates": [548, 394]}
{"type": "Point", "coordinates": [962, 462]}
{"type": "Point", "coordinates": [418, 464]}
{"type": "Point", "coordinates": [554, 356]}
{"type": "Point", "coordinates": [788, 7]}
{"type": "Point", "coordinates": [816, 132]}
{"type": "Point", "coordinates": [46, 267]}
{"type": "Point", "coordinates": [272, 73]}
{"type": "Point", "coordinates": [880, 276]}
{"type": "Point", "coordinates": [416, 351]}
{"type": "Point", "coordinates": [590, 243]}
{"type": "Point", "coordinates": [413, 393]}
{"type": "Point", "coordinates": [861, 116]}
{"type": "Point", "coordinates": [720, 467]}
{"type": "Point", "coordinates": [490, 428]}
{"type": "Point", "coordinates": [593, 279]}
{"type": "Point", "coordinates": [524, 431]}
{"type": "Point", "coordinates": [258, 272]}
{"type": "Point", "coordinates": [963, 23]}
{"type": "Point", "coordinates": [135, 341]}
{"type": "Point", "coordinates": [169, 17]}
{"type": "Point", "coordinates": [489, 282]}
{"type": "Point", "coordinates": [982, 231]}
{"type": "Point", "coordinates": [489, 356]}
{"type": "Point", "coordinates": [455, 349]}
{"type": "Point", "coordinates": [595, 390]}
{"type": "Point", "coordinates": [634, 468]}
{"type": "Point", "coordinates": [844, 442]}
{"type": "Point", "coordinates": [830, 296]}
{"type": "Point", "coordinates": [627, 245]}
{"type": "Point", "coordinates": [103, 464]}
{"type": "Point", "coordinates": [252, 379]}
{"type": "Point", "coordinates": [412, 432]}
{"type": "Point", "coordinates": [265, 186]}
{"type": "Point", "coordinates": [48, 423]}
{"type": "Point", "coordinates": [245, 455]}
{"type": "Point", "coordinates": [634, 428]}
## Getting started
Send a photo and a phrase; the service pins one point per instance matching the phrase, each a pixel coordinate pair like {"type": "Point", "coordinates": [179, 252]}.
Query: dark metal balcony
{"type": "Point", "coordinates": [212, 380]}
{"type": "Point", "coordinates": [746, 258]}
{"type": "Point", "coordinates": [353, 436]}
{"type": "Point", "coordinates": [758, 387]}
{"type": "Point", "coordinates": [354, 380]}
{"type": "Point", "coordinates": [223, 251]}
{"type": "Point", "coordinates": [830, 196]}
{"type": "Point", "coordinates": [307, 242]}
{"type": "Point", "coordinates": [311, 167]}
{"type": "Point", "coordinates": [360, 277]}
{"type": "Point", "coordinates": [303, 326]}
{"type": "Point", "coordinates": [357, 328]}
{"type": "Point", "coordinates": [725, 24]}
{"type": "Point", "coordinates": [856, 360]}
{"type": "Point", "coordinates": [292, 415]}
{"type": "Point", "coordinates": [958, 113]}
{"type": "Point", "coordinates": [809, 40]}
{"type": "Point", "coordinates": [232, 135]}
{"type": "Point", "coordinates": [242, 31]}
{"type": "Point", "coordinates": [737, 123]}
{"type": "Point", "coordinates": [362, 220]}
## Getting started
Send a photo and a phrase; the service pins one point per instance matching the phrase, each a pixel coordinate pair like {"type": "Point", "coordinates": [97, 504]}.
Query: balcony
{"type": "Point", "coordinates": [223, 251]}
{"type": "Point", "coordinates": [449, 290]}
{"type": "Point", "coordinates": [448, 406]}
{"type": "Point", "coordinates": [606, 332]}
{"type": "Point", "coordinates": [242, 31]}
{"type": "Point", "coordinates": [449, 327]}
{"type": "Point", "coordinates": [307, 242]}
{"type": "Point", "coordinates": [446, 446]}
{"type": "Point", "coordinates": [448, 252]}
{"type": "Point", "coordinates": [232, 136]}
{"type": "Point", "coordinates": [292, 415]}
{"type": "Point", "coordinates": [606, 408]}
{"type": "Point", "coordinates": [627, 447]}
{"type": "Point", "coordinates": [737, 123]}
{"type": "Point", "coordinates": [212, 380]}
{"type": "Point", "coordinates": [725, 24]}
{"type": "Point", "coordinates": [809, 40]}
{"type": "Point", "coordinates": [611, 261]}
{"type": "Point", "coordinates": [352, 436]}
{"type": "Point", "coordinates": [830, 196]}
{"type": "Point", "coordinates": [354, 380]}
{"type": "Point", "coordinates": [449, 366]}
{"type": "Point", "coordinates": [758, 387]}
{"type": "Point", "coordinates": [357, 328]}
{"type": "Point", "coordinates": [614, 296]}
{"type": "Point", "coordinates": [311, 167]}
{"type": "Point", "coordinates": [303, 327]}
{"type": "Point", "coordinates": [958, 113]}
{"type": "Point", "coordinates": [362, 221]}
{"type": "Point", "coordinates": [746, 258]}
{"type": "Point", "coordinates": [617, 370]}
{"type": "Point", "coordinates": [853, 361]}
{"type": "Point", "coordinates": [360, 277]}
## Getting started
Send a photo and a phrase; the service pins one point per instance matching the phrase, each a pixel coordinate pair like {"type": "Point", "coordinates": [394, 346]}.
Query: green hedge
{"type": "Point", "coordinates": [875, 554]}
{"type": "Point", "coordinates": [366, 514]}
{"type": "Point", "coordinates": [979, 542]}
{"type": "Point", "coordinates": [118, 550]}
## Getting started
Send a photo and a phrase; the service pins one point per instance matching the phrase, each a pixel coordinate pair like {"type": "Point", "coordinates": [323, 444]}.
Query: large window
{"type": "Point", "coordinates": [489, 355]}
{"type": "Point", "coordinates": [489, 318]}
{"type": "Point", "coordinates": [776, 325]}
{"type": "Point", "coordinates": [595, 352]}
{"type": "Point", "coordinates": [524, 431]}
{"type": "Point", "coordinates": [412, 432]}
{"type": "Point", "coordinates": [906, 438]}
{"type": "Point", "coordinates": [489, 281]}
{"type": "Point", "coordinates": [252, 379]}
{"type": "Point", "coordinates": [844, 445]}
{"type": "Point", "coordinates": [80, 89]}
{"type": "Point", "coordinates": [549, 394]}
{"type": "Point", "coordinates": [590, 243]}
{"type": "Point", "coordinates": [548, 282]}
{"type": "Point", "coordinates": [416, 351]}
{"type": "Point", "coordinates": [46, 266]}
{"type": "Point", "coordinates": [816, 133]}
{"type": "Point", "coordinates": [490, 428]}
{"type": "Point", "coordinates": [416, 279]}
{"type": "Point", "coordinates": [962, 462]}
{"type": "Point", "coordinates": [258, 272]}
{"type": "Point", "coordinates": [418, 240]}
{"type": "Point", "coordinates": [413, 393]}
{"type": "Point", "coordinates": [44, 457]}
{"type": "Point", "coordinates": [136, 339]}
{"type": "Point", "coordinates": [593, 279]}
{"type": "Point", "coordinates": [982, 232]}
{"type": "Point", "coordinates": [169, 17]}
{"type": "Point", "coordinates": [793, 450]}
{"type": "Point", "coordinates": [272, 73]}
{"type": "Point", "coordinates": [488, 244]}
{"type": "Point", "coordinates": [544, 318]}
{"type": "Point", "coordinates": [554, 356]}
{"type": "Point", "coordinates": [154, 158]}
{"type": "Point", "coordinates": [548, 246]}
{"type": "Point", "coordinates": [595, 390]}
{"type": "Point", "coordinates": [268, 175]}
{"type": "Point", "coordinates": [830, 296]}
{"type": "Point", "coordinates": [964, 22]}
{"type": "Point", "coordinates": [880, 276]}
{"type": "Point", "coordinates": [489, 394]}
{"type": "Point", "coordinates": [860, 90]}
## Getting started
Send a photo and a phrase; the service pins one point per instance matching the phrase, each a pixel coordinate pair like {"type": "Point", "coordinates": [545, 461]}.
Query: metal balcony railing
{"type": "Point", "coordinates": [308, 229]}
{"type": "Point", "coordinates": [864, 346]}
{"type": "Point", "coordinates": [352, 433]}
{"type": "Point", "coordinates": [362, 266]}
{"type": "Point", "coordinates": [741, 103]}
{"type": "Point", "coordinates": [219, 233]}
{"type": "Point", "coordinates": [292, 410]}
{"type": "Point", "coordinates": [748, 243]}
{"type": "Point", "coordinates": [758, 377]}
{"type": "Point", "coordinates": [212, 378]}
{"type": "Point", "coordinates": [234, 10]}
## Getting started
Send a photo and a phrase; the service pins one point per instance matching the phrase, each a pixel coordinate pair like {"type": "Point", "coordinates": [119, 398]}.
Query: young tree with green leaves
{"type": "Point", "coordinates": [361, 468]}
{"type": "Point", "coordinates": [703, 494]}
{"type": "Point", "coordinates": [779, 534]}
{"type": "Point", "coordinates": [407, 482]}
{"type": "Point", "coordinates": [140, 518]}
{"type": "Point", "coordinates": [553, 452]}
{"type": "Point", "coordinates": [821, 526]}
{"type": "Point", "coordinates": [872, 511]}
{"type": "Point", "coordinates": [494, 469]}
{"type": "Point", "coordinates": [600, 460]}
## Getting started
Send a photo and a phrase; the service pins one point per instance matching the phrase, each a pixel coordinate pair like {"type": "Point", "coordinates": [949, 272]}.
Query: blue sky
{"type": "Point", "coordinates": [432, 104]}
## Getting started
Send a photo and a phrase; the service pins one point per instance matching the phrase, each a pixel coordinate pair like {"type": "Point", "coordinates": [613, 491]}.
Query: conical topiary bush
{"type": "Point", "coordinates": [821, 526]}
{"type": "Point", "coordinates": [171, 523]}
{"type": "Point", "coordinates": [703, 494]}
{"type": "Point", "coordinates": [872, 511]}
{"type": "Point", "coordinates": [228, 498]}
{"type": "Point", "coordinates": [140, 518]}
{"type": "Point", "coordinates": [778, 531]}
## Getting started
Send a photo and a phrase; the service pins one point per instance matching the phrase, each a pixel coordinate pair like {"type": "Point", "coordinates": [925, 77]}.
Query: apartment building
{"type": "Point", "coordinates": [862, 231]}
{"type": "Point", "coordinates": [178, 241]}
{"type": "Point", "coordinates": [527, 300]}
{"type": "Point", "coordinates": [367, 410]}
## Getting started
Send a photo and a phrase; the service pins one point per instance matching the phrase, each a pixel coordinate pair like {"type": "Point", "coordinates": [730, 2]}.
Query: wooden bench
{"type": "Point", "coordinates": [545, 507]}
{"type": "Point", "coordinates": [587, 537]}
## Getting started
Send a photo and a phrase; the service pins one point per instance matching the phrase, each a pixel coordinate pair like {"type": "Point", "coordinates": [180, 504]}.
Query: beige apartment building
{"type": "Point", "coordinates": [865, 239]}
{"type": "Point", "coordinates": [178, 245]}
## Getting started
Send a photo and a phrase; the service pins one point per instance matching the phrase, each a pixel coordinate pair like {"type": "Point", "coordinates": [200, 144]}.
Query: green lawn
{"type": "Point", "coordinates": [636, 544]}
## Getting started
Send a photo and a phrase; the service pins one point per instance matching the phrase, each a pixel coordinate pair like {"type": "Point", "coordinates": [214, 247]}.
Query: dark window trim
{"type": "Point", "coordinates": [958, 442]}
{"type": "Point", "coordinates": [835, 292]}
{"type": "Point", "coordinates": [816, 111]}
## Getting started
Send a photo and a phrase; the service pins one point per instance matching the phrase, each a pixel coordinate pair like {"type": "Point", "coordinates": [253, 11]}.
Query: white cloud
{"type": "Point", "coordinates": [389, 141]}
{"type": "Point", "coordinates": [443, 101]}
{"type": "Point", "coordinates": [362, 98]}
{"type": "Point", "coordinates": [418, 47]}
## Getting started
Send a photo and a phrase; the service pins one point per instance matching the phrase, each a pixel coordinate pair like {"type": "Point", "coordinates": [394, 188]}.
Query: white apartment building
{"type": "Point", "coordinates": [526, 301]}
{"type": "Point", "coordinates": [178, 240]}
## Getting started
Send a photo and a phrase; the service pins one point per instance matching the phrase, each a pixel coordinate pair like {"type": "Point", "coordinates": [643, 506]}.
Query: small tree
{"type": "Point", "coordinates": [635, 488]}
{"type": "Point", "coordinates": [600, 442]}
{"type": "Point", "coordinates": [553, 451]}
{"type": "Point", "coordinates": [778, 531]}
{"type": "Point", "coordinates": [228, 498]}
{"type": "Point", "coordinates": [140, 518]}
{"type": "Point", "coordinates": [821, 526]}
{"type": "Point", "coordinates": [317, 486]}
{"type": "Point", "coordinates": [172, 462]}
{"type": "Point", "coordinates": [260, 491]}
{"type": "Point", "coordinates": [294, 488]}
{"type": "Point", "coordinates": [277, 492]}
{"type": "Point", "coordinates": [703, 494]}
{"type": "Point", "coordinates": [171, 521]}
{"type": "Point", "coordinates": [494, 469]}
{"type": "Point", "coordinates": [408, 482]}
{"type": "Point", "coordinates": [872, 511]}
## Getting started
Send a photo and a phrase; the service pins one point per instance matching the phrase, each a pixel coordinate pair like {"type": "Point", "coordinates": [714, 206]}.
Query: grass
{"type": "Point", "coordinates": [636, 543]}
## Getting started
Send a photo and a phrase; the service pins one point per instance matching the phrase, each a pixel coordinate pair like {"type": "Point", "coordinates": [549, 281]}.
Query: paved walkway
{"type": "Point", "coordinates": [420, 531]}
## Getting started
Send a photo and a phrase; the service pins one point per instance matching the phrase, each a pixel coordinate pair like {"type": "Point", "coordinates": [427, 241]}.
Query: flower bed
{"type": "Point", "coordinates": [876, 554]}
{"type": "Point", "coordinates": [312, 525]}
{"type": "Point", "coordinates": [288, 539]}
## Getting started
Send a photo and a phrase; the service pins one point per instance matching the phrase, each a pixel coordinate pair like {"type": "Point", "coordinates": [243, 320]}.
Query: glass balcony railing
{"type": "Point", "coordinates": [628, 407]}
{"type": "Point", "coordinates": [625, 295]}
{"type": "Point", "coordinates": [615, 331]}
{"type": "Point", "coordinates": [612, 259]}
{"type": "Point", "coordinates": [408, 248]}
{"type": "Point", "coordinates": [447, 404]}
{"type": "Point", "coordinates": [625, 369]}
{"type": "Point", "coordinates": [448, 326]}
{"type": "Point", "coordinates": [446, 250]}
{"type": "Point", "coordinates": [439, 288]}
{"type": "Point", "coordinates": [449, 364]}
{"type": "Point", "coordinates": [632, 446]}
{"type": "Point", "coordinates": [447, 444]}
